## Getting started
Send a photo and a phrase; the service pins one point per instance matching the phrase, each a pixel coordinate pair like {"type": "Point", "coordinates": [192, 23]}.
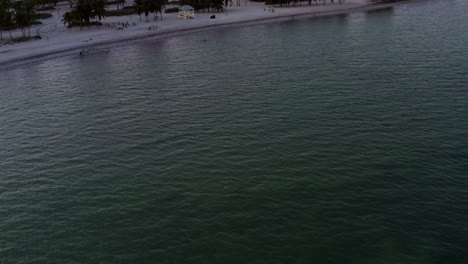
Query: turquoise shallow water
{"type": "Point", "coordinates": [333, 140]}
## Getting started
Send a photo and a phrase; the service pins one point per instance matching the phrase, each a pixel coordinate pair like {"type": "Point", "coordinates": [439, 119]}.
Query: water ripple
{"type": "Point", "coordinates": [334, 140]}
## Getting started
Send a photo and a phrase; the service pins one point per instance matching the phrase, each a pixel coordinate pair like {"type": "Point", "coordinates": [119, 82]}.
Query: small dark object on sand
{"type": "Point", "coordinates": [213, 17]}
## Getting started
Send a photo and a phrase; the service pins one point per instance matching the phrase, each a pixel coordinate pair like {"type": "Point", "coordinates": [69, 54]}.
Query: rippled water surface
{"type": "Point", "coordinates": [332, 140]}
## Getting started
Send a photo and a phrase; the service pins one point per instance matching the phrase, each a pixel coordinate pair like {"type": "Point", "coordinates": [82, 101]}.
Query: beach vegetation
{"type": "Point", "coordinates": [71, 3]}
{"type": "Point", "coordinates": [38, 15]}
{"type": "Point", "coordinates": [19, 15]}
{"type": "Point", "coordinates": [85, 13]}
{"type": "Point", "coordinates": [282, 3]}
{"type": "Point", "coordinates": [118, 3]}
{"type": "Point", "coordinates": [148, 7]}
{"type": "Point", "coordinates": [45, 8]}
{"type": "Point", "coordinates": [6, 17]}
{"type": "Point", "coordinates": [24, 16]}
{"type": "Point", "coordinates": [383, 1]}
{"type": "Point", "coordinates": [45, 4]}
{"type": "Point", "coordinates": [138, 5]}
{"type": "Point", "coordinates": [23, 39]}
{"type": "Point", "coordinates": [278, 2]}
{"type": "Point", "coordinates": [126, 11]}
{"type": "Point", "coordinates": [171, 10]}
{"type": "Point", "coordinates": [207, 5]}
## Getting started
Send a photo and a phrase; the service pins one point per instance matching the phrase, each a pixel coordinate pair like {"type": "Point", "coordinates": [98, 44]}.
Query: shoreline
{"type": "Point", "coordinates": [99, 46]}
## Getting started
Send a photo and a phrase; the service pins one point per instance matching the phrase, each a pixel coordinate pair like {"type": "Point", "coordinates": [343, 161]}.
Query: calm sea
{"type": "Point", "coordinates": [332, 140]}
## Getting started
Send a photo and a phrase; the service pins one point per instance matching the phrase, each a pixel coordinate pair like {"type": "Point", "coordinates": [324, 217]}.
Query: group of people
{"type": "Point", "coordinates": [119, 25]}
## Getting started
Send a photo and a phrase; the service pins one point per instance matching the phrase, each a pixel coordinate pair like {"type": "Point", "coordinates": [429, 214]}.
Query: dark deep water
{"type": "Point", "coordinates": [333, 140]}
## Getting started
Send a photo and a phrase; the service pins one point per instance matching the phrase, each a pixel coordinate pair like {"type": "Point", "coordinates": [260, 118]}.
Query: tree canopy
{"type": "Point", "coordinates": [18, 14]}
{"type": "Point", "coordinates": [84, 11]}
{"type": "Point", "coordinates": [147, 7]}
{"type": "Point", "coordinates": [209, 5]}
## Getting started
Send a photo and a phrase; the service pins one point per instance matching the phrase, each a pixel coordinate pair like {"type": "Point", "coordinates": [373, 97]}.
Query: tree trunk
{"type": "Point", "coordinates": [11, 38]}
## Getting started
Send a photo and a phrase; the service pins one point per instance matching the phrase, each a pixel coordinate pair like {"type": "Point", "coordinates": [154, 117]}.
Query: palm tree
{"type": "Point", "coordinates": [158, 6]}
{"type": "Point", "coordinates": [24, 12]}
{"type": "Point", "coordinates": [4, 8]}
{"type": "Point", "coordinates": [138, 5]}
{"type": "Point", "coordinates": [149, 6]}
{"type": "Point", "coordinates": [84, 11]}
{"type": "Point", "coordinates": [71, 3]}
{"type": "Point", "coordinates": [146, 6]}
{"type": "Point", "coordinates": [99, 9]}
{"type": "Point", "coordinates": [217, 5]}
{"type": "Point", "coordinates": [70, 18]}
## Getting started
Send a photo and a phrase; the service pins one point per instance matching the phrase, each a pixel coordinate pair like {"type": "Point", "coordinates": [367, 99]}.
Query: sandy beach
{"type": "Point", "coordinates": [57, 40]}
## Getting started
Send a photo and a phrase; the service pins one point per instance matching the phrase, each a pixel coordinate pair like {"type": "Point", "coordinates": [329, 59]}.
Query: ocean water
{"type": "Point", "coordinates": [332, 140]}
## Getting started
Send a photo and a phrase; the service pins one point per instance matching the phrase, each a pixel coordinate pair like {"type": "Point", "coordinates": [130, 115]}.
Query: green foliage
{"type": "Point", "coordinates": [44, 3]}
{"type": "Point", "coordinates": [70, 18]}
{"type": "Point", "coordinates": [383, 1]}
{"type": "Point", "coordinates": [138, 5]}
{"type": "Point", "coordinates": [217, 5]}
{"type": "Point", "coordinates": [278, 2]}
{"type": "Point", "coordinates": [130, 10]}
{"type": "Point", "coordinates": [24, 15]}
{"type": "Point", "coordinates": [37, 16]}
{"type": "Point", "coordinates": [5, 12]}
{"type": "Point", "coordinates": [115, 2]}
{"type": "Point", "coordinates": [71, 3]}
{"type": "Point", "coordinates": [209, 5]}
{"type": "Point", "coordinates": [149, 6]}
{"type": "Point", "coordinates": [6, 17]}
{"type": "Point", "coordinates": [171, 10]}
{"type": "Point", "coordinates": [14, 15]}
{"type": "Point", "coordinates": [85, 11]}
{"type": "Point", "coordinates": [23, 39]}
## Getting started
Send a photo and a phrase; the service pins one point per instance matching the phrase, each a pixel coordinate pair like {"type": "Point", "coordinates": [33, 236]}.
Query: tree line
{"type": "Point", "coordinates": [85, 12]}
{"type": "Point", "coordinates": [383, 1]}
{"type": "Point", "coordinates": [20, 14]}
{"type": "Point", "coordinates": [147, 7]}
{"type": "Point", "coordinates": [90, 12]}
{"type": "Point", "coordinates": [295, 2]}
{"type": "Point", "coordinates": [207, 5]}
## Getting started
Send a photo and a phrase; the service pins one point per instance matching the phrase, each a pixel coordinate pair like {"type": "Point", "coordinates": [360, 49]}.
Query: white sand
{"type": "Point", "coordinates": [57, 40]}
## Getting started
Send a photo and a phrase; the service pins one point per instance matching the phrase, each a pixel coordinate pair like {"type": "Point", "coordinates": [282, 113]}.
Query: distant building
{"type": "Point", "coordinates": [186, 12]}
